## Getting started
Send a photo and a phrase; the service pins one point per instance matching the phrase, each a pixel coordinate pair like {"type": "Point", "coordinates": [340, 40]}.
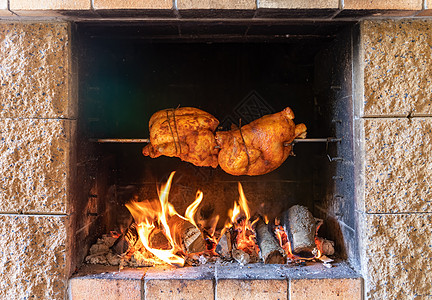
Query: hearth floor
{"type": "Point", "coordinates": [217, 281]}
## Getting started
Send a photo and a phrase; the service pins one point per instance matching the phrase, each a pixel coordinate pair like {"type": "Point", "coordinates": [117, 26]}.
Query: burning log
{"type": "Point", "coordinates": [270, 250]}
{"type": "Point", "coordinates": [128, 239]}
{"type": "Point", "coordinates": [224, 247]}
{"type": "Point", "coordinates": [243, 238]}
{"type": "Point", "coordinates": [301, 227]}
{"type": "Point", "coordinates": [187, 235]}
{"type": "Point", "coordinates": [158, 240]}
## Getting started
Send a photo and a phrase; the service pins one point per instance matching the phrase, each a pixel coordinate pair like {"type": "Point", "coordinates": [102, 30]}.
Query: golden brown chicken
{"type": "Point", "coordinates": [258, 147]}
{"type": "Point", "coordinates": [185, 132]}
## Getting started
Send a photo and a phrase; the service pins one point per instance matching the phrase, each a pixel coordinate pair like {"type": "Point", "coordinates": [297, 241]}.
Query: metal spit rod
{"type": "Point", "coordinates": [136, 141]}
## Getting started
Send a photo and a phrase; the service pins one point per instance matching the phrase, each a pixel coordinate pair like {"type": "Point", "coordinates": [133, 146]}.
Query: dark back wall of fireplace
{"type": "Point", "coordinates": [124, 80]}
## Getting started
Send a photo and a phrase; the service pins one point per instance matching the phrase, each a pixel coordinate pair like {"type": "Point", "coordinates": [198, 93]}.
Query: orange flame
{"type": "Point", "coordinates": [243, 202]}
{"type": "Point", "coordinates": [192, 209]}
{"type": "Point", "coordinates": [149, 215]}
{"type": "Point", "coordinates": [286, 245]}
{"type": "Point", "coordinates": [245, 238]}
{"type": "Point", "coordinates": [235, 212]}
{"type": "Point", "coordinates": [239, 207]}
{"type": "Point", "coordinates": [283, 241]}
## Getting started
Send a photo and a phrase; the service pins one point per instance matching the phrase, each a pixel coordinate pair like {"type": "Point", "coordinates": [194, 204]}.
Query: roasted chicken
{"type": "Point", "coordinates": [185, 132]}
{"type": "Point", "coordinates": [258, 147]}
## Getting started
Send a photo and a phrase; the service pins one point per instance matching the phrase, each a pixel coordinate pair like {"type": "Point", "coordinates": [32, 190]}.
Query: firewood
{"type": "Point", "coordinates": [158, 240]}
{"type": "Point", "coordinates": [187, 235]}
{"type": "Point", "coordinates": [300, 226]}
{"type": "Point", "coordinates": [325, 246]}
{"type": "Point", "coordinates": [128, 239]}
{"type": "Point", "coordinates": [224, 246]}
{"type": "Point", "coordinates": [240, 256]}
{"type": "Point", "coordinates": [270, 250]}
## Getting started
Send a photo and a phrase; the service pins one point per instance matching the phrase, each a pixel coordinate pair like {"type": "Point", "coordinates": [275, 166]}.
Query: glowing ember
{"type": "Point", "coordinates": [115, 234]}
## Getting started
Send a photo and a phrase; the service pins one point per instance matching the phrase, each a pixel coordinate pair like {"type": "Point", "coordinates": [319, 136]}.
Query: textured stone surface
{"type": "Point", "coordinates": [4, 8]}
{"type": "Point", "coordinates": [33, 257]}
{"type": "Point", "coordinates": [398, 166]}
{"type": "Point", "coordinates": [428, 5]}
{"type": "Point", "coordinates": [299, 4]}
{"type": "Point", "coordinates": [123, 285]}
{"type": "Point", "coordinates": [398, 256]}
{"type": "Point", "coordinates": [176, 289]}
{"type": "Point", "coordinates": [428, 10]}
{"type": "Point", "coordinates": [5, 13]}
{"type": "Point", "coordinates": [166, 282]}
{"type": "Point", "coordinates": [381, 4]}
{"type": "Point", "coordinates": [228, 289]}
{"type": "Point", "coordinates": [216, 4]}
{"type": "Point", "coordinates": [49, 4]}
{"type": "Point", "coordinates": [132, 4]}
{"type": "Point", "coordinates": [397, 67]}
{"type": "Point", "coordinates": [326, 289]}
{"type": "Point", "coordinates": [258, 271]}
{"type": "Point", "coordinates": [34, 79]}
{"type": "Point", "coordinates": [256, 281]}
{"type": "Point", "coordinates": [34, 155]}
{"type": "Point", "coordinates": [190, 273]}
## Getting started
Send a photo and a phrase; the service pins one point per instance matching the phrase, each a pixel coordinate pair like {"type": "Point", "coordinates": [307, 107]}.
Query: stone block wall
{"type": "Point", "coordinates": [394, 132]}
{"type": "Point", "coordinates": [37, 124]}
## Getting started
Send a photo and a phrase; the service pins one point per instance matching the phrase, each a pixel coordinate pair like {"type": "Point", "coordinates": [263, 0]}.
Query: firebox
{"type": "Point", "coordinates": [237, 71]}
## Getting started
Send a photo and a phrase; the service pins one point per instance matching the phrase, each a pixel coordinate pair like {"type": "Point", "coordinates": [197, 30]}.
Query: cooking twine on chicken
{"type": "Point", "coordinates": [244, 143]}
{"type": "Point", "coordinates": [175, 127]}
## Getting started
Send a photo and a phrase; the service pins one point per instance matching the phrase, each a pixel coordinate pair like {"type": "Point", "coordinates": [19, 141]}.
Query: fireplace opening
{"type": "Point", "coordinates": [238, 72]}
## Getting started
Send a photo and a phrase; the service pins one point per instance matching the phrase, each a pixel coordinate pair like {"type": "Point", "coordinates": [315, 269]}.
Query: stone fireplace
{"type": "Point", "coordinates": [373, 74]}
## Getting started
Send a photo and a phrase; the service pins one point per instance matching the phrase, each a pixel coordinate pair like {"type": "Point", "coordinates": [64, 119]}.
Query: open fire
{"type": "Point", "coordinates": [159, 234]}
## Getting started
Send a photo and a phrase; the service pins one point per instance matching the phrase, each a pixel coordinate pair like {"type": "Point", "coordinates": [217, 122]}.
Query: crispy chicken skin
{"type": "Point", "coordinates": [258, 148]}
{"type": "Point", "coordinates": [185, 132]}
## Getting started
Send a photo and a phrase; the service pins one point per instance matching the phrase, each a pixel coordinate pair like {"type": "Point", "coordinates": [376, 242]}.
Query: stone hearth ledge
{"type": "Point", "coordinates": [216, 281]}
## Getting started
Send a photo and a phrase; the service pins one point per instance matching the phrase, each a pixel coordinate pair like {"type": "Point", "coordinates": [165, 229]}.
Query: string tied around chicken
{"type": "Point", "coordinates": [175, 128]}
{"type": "Point", "coordinates": [244, 143]}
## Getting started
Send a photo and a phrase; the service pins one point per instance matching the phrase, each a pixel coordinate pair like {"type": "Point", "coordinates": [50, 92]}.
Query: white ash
{"type": "Point", "coordinates": [202, 259]}
{"type": "Point", "coordinates": [101, 254]}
